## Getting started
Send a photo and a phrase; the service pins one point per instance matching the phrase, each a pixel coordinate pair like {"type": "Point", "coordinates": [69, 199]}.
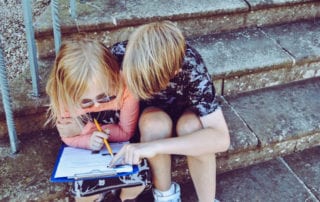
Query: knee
{"type": "Point", "coordinates": [188, 123]}
{"type": "Point", "coordinates": [154, 125]}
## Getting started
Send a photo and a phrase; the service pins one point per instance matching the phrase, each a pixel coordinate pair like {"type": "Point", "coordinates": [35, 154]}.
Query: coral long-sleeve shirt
{"type": "Point", "coordinates": [118, 116]}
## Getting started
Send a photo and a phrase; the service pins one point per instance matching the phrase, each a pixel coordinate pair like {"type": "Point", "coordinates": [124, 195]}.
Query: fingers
{"type": "Point", "coordinates": [101, 134]}
{"type": "Point", "coordinates": [96, 143]}
{"type": "Point", "coordinates": [117, 159]}
{"type": "Point", "coordinates": [95, 146]}
{"type": "Point", "coordinates": [132, 156]}
{"type": "Point", "coordinates": [96, 140]}
{"type": "Point", "coordinates": [129, 154]}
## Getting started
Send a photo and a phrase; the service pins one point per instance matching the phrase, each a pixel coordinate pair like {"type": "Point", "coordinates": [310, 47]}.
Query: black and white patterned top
{"type": "Point", "coordinates": [191, 88]}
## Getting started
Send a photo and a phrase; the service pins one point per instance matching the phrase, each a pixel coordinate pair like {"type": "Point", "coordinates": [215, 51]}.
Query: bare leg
{"type": "Point", "coordinates": [131, 192]}
{"type": "Point", "coordinates": [203, 173]}
{"type": "Point", "coordinates": [155, 124]}
{"type": "Point", "coordinates": [202, 168]}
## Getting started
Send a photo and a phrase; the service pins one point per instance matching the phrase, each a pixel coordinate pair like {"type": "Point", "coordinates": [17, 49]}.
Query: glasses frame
{"type": "Point", "coordinates": [101, 98]}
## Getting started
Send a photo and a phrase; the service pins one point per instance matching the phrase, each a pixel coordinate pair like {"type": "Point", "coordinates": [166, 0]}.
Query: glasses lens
{"type": "Point", "coordinates": [103, 98]}
{"type": "Point", "coordinates": [86, 103]}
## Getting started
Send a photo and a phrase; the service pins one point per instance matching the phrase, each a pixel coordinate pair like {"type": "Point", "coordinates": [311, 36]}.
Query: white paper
{"type": "Point", "coordinates": [75, 161]}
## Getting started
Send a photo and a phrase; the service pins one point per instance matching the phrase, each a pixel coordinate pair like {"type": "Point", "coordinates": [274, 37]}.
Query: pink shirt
{"type": "Point", "coordinates": [121, 131]}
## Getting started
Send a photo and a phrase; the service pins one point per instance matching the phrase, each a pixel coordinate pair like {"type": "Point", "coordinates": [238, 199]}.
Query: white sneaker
{"type": "Point", "coordinates": [172, 195]}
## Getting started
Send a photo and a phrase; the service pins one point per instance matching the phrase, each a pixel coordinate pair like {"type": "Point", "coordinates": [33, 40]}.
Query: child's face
{"type": "Point", "coordinates": [94, 96]}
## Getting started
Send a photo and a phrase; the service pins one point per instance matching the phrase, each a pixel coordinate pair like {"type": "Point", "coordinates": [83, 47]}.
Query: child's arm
{"type": "Point", "coordinates": [68, 127]}
{"type": "Point", "coordinates": [213, 138]}
{"type": "Point", "coordinates": [87, 138]}
{"type": "Point", "coordinates": [126, 127]}
{"type": "Point", "coordinates": [73, 134]}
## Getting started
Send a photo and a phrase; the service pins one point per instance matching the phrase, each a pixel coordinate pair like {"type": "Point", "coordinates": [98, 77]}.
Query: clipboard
{"type": "Point", "coordinates": [82, 164]}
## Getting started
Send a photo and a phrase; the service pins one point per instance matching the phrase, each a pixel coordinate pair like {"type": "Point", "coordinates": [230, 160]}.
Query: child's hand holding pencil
{"type": "Point", "coordinates": [96, 140]}
{"type": "Point", "coordinates": [103, 137]}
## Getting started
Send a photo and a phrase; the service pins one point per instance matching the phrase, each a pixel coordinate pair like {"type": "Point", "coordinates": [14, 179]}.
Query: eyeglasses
{"type": "Point", "coordinates": [101, 98]}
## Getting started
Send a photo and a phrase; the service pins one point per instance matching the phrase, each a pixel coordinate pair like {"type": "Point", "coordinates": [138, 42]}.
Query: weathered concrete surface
{"type": "Point", "coordinates": [240, 52]}
{"type": "Point", "coordinates": [259, 4]}
{"type": "Point", "coordinates": [259, 183]}
{"type": "Point", "coordinates": [306, 165]}
{"type": "Point", "coordinates": [242, 138]}
{"type": "Point", "coordinates": [285, 112]}
{"type": "Point", "coordinates": [301, 39]}
{"type": "Point", "coordinates": [283, 119]}
{"type": "Point", "coordinates": [273, 12]}
{"type": "Point", "coordinates": [107, 19]}
{"type": "Point", "coordinates": [29, 112]}
{"type": "Point", "coordinates": [244, 60]}
{"type": "Point", "coordinates": [261, 57]}
{"type": "Point", "coordinates": [270, 181]}
{"type": "Point", "coordinates": [265, 153]}
{"type": "Point", "coordinates": [100, 15]}
{"type": "Point", "coordinates": [250, 59]}
{"type": "Point", "coordinates": [25, 176]}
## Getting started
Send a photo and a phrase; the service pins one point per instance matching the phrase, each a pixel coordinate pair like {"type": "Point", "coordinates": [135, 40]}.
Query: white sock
{"type": "Point", "coordinates": [169, 192]}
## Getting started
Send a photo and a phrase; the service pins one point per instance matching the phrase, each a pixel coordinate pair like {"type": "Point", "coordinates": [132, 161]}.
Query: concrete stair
{"type": "Point", "coordinates": [111, 21]}
{"type": "Point", "coordinates": [267, 123]}
{"type": "Point", "coordinates": [264, 57]}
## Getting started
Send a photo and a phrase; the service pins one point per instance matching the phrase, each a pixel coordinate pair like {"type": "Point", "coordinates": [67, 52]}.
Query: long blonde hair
{"type": "Point", "coordinates": [153, 55]}
{"type": "Point", "coordinates": [77, 64]}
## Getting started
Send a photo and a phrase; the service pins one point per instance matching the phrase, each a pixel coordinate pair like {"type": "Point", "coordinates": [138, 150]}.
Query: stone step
{"type": "Point", "coordinates": [240, 56]}
{"type": "Point", "coordinates": [267, 123]}
{"type": "Point", "coordinates": [112, 21]}
{"type": "Point", "coordinates": [255, 58]}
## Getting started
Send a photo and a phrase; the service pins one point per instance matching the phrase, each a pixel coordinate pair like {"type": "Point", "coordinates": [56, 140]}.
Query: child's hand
{"type": "Point", "coordinates": [96, 140]}
{"type": "Point", "coordinates": [133, 153]}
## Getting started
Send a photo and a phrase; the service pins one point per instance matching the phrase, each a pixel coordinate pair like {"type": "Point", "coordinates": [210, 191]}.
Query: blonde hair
{"type": "Point", "coordinates": [76, 66]}
{"type": "Point", "coordinates": [153, 55]}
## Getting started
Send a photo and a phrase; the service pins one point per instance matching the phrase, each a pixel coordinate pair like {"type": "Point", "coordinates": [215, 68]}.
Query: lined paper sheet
{"type": "Point", "coordinates": [75, 161]}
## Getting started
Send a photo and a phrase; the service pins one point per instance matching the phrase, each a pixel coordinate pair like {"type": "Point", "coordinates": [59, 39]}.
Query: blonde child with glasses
{"type": "Point", "coordinates": [180, 114]}
{"type": "Point", "coordinates": [86, 84]}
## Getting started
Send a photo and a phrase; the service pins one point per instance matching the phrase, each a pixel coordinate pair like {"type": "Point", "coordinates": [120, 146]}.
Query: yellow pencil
{"type": "Point", "coordinates": [104, 139]}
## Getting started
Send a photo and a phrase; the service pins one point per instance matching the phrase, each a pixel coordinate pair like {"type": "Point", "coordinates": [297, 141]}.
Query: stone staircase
{"type": "Point", "coordinates": [264, 57]}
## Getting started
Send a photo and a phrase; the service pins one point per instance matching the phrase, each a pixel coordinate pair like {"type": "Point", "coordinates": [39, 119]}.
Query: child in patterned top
{"type": "Point", "coordinates": [180, 114]}
{"type": "Point", "coordinates": [86, 84]}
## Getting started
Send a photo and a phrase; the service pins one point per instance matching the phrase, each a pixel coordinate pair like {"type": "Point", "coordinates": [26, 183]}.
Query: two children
{"type": "Point", "coordinates": [179, 112]}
